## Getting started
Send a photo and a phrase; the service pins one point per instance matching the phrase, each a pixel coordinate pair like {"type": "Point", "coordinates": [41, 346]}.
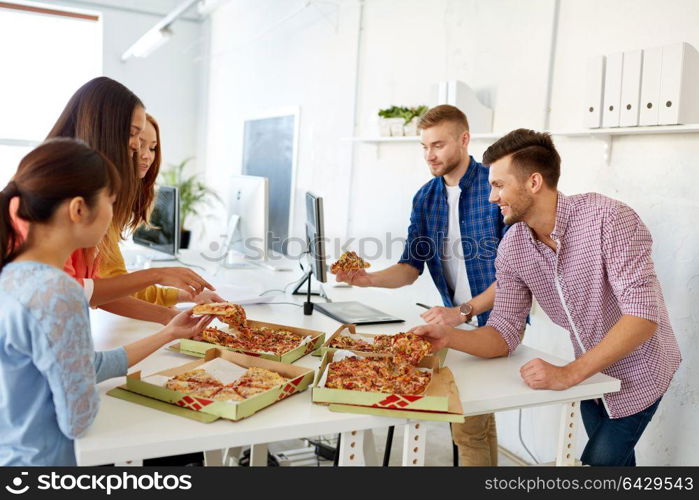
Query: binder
{"type": "Point", "coordinates": [479, 116]}
{"type": "Point", "coordinates": [679, 78]}
{"type": "Point", "coordinates": [650, 86]}
{"type": "Point", "coordinates": [631, 88]}
{"type": "Point", "coordinates": [594, 91]}
{"type": "Point", "coordinates": [612, 89]}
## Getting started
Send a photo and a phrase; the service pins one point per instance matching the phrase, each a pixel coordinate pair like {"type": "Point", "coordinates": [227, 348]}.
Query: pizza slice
{"type": "Point", "coordinates": [257, 380]}
{"type": "Point", "coordinates": [349, 261]}
{"type": "Point", "coordinates": [228, 393]}
{"type": "Point", "coordinates": [193, 388]}
{"type": "Point", "coordinates": [409, 346]}
{"type": "Point", "coordinates": [198, 376]}
{"type": "Point", "coordinates": [353, 344]}
{"type": "Point", "coordinates": [229, 313]}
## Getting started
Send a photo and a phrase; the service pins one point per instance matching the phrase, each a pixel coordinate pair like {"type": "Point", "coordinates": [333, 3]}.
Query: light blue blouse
{"type": "Point", "coordinates": [48, 366]}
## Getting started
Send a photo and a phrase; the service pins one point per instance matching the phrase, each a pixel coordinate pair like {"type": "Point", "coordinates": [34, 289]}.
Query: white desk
{"type": "Point", "coordinates": [124, 431]}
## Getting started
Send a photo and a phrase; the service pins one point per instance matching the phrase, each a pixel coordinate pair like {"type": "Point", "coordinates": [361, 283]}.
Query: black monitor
{"type": "Point", "coordinates": [163, 232]}
{"type": "Point", "coordinates": [315, 236]}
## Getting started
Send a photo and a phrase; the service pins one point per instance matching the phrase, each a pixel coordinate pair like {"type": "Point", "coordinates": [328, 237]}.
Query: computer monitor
{"type": "Point", "coordinates": [315, 237]}
{"type": "Point", "coordinates": [163, 231]}
{"type": "Point", "coordinates": [270, 149]}
{"type": "Point", "coordinates": [248, 216]}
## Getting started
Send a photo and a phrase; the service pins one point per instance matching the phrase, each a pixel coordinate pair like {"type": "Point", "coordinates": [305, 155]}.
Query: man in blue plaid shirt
{"type": "Point", "coordinates": [455, 230]}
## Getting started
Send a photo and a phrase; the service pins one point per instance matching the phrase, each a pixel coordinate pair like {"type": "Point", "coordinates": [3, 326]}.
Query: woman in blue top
{"type": "Point", "coordinates": [48, 367]}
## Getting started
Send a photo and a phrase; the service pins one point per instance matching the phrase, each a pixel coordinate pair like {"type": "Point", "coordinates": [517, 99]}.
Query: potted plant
{"type": "Point", "coordinates": [192, 194]}
{"type": "Point", "coordinates": [390, 121]}
{"type": "Point", "coordinates": [400, 120]}
{"type": "Point", "coordinates": [411, 117]}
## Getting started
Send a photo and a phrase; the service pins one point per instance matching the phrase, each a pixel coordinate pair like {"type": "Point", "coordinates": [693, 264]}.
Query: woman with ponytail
{"type": "Point", "coordinates": [48, 366]}
{"type": "Point", "coordinates": [109, 118]}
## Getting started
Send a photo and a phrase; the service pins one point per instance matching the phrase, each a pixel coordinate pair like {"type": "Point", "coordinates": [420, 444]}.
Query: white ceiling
{"type": "Point", "coordinates": [156, 7]}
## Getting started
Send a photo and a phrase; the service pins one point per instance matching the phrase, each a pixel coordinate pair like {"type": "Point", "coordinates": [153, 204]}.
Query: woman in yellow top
{"type": "Point", "coordinates": [112, 264]}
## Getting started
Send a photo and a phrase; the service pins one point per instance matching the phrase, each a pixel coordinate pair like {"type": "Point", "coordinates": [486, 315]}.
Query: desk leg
{"type": "Point", "coordinates": [258, 455]}
{"type": "Point", "coordinates": [414, 443]}
{"type": "Point", "coordinates": [566, 436]}
{"type": "Point", "coordinates": [129, 463]}
{"type": "Point", "coordinates": [357, 448]}
{"type": "Point", "coordinates": [213, 458]}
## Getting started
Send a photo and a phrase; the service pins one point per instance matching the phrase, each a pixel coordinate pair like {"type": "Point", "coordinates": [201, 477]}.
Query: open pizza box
{"type": "Point", "coordinates": [350, 330]}
{"type": "Point", "coordinates": [440, 401]}
{"type": "Point", "coordinates": [218, 362]}
{"type": "Point", "coordinates": [313, 339]}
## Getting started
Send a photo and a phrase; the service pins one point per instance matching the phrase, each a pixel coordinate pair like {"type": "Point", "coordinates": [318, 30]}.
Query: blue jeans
{"type": "Point", "coordinates": [612, 441]}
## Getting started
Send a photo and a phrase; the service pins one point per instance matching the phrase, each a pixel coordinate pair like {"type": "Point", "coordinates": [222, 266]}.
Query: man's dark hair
{"type": "Point", "coordinates": [531, 152]}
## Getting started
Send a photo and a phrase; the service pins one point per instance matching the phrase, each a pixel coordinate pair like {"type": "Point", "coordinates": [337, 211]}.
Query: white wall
{"type": "Point", "coordinates": [500, 48]}
{"type": "Point", "coordinates": [168, 81]}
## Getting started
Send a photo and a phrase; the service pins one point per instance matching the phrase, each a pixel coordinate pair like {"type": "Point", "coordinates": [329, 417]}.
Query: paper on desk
{"type": "Point", "coordinates": [369, 339]}
{"type": "Point", "coordinates": [240, 295]}
{"type": "Point", "coordinates": [225, 371]}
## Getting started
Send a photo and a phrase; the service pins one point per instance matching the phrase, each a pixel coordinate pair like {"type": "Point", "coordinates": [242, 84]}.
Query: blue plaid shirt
{"type": "Point", "coordinates": [482, 228]}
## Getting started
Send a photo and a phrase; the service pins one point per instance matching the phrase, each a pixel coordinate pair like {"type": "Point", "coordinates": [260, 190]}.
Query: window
{"type": "Point", "coordinates": [46, 53]}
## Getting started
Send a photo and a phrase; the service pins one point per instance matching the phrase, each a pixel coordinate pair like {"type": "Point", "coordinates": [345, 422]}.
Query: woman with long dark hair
{"type": "Point", "coordinates": [112, 263]}
{"type": "Point", "coordinates": [48, 366]}
{"type": "Point", "coordinates": [109, 118]}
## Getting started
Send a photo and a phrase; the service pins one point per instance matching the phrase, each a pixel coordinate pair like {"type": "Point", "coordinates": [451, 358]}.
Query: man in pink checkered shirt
{"type": "Point", "coordinates": [587, 260]}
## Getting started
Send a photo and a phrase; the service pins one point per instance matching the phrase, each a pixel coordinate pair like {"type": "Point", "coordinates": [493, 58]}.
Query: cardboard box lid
{"type": "Point", "coordinates": [289, 371]}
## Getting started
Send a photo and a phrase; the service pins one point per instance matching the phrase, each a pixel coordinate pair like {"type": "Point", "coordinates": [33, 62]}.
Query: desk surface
{"type": "Point", "coordinates": [125, 431]}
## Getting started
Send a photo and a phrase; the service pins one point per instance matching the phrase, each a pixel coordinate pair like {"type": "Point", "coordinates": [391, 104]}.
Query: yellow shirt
{"type": "Point", "coordinates": [113, 265]}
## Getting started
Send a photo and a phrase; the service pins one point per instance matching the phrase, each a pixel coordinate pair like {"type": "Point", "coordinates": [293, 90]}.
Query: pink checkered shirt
{"type": "Point", "coordinates": [602, 270]}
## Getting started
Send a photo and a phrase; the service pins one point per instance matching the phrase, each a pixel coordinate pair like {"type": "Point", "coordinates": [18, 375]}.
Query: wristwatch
{"type": "Point", "coordinates": [466, 311]}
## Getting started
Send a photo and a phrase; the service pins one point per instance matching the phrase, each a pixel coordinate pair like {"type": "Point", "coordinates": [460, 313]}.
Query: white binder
{"type": "Point", "coordinates": [631, 88]}
{"type": "Point", "coordinates": [612, 89]}
{"type": "Point", "coordinates": [679, 98]}
{"type": "Point", "coordinates": [594, 90]}
{"type": "Point", "coordinates": [480, 117]}
{"type": "Point", "coordinates": [650, 86]}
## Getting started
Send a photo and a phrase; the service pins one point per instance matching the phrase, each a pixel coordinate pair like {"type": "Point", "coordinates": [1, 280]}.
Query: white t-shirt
{"type": "Point", "coordinates": [453, 254]}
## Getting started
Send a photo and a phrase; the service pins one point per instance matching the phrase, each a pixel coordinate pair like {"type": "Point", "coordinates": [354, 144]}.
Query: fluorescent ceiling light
{"type": "Point", "coordinates": [158, 34]}
{"type": "Point", "coordinates": [148, 43]}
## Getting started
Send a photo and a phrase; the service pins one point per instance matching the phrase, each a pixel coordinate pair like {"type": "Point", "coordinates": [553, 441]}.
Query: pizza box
{"type": "Point", "coordinates": [300, 379]}
{"type": "Point", "coordinates": [198, 348]}
{"type": "Point", "coordinates": [439, 401]}
{"type": "Point", "coordinates": [351, 330]}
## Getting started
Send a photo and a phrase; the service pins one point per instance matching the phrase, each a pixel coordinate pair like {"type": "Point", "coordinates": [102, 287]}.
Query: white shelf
{"type": "Point", "coordinates": [660, 129]}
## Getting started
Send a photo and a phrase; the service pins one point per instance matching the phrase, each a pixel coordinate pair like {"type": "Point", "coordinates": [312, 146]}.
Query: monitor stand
{"type": "Point", "coordinates": [308, 305]}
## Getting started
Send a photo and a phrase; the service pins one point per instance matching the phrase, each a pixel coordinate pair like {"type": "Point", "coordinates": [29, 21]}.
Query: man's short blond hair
{"type": "Point", "coordinates": [441, 114]}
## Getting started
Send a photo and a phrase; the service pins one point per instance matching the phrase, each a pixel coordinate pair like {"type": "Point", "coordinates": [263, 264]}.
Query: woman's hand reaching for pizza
{"type": "Point", "coordinates": [438, 335]}
{"type": "Point", "coordinates": [180, 277]}
{"type": "Point", "coordinates": [186, 326]}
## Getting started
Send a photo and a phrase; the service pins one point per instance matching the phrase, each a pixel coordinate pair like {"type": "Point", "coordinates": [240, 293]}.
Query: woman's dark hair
{"type": "Point", "coordinates": [146, 194]}
{"type": "Point", "coordinates": [99, 113]}
{"type": "Point", "coordinates": [55, 171]}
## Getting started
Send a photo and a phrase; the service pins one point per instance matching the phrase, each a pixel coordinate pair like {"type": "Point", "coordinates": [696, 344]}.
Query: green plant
{"type": "Point", "coordinates": [192, 191]}
{"type": "Point", "coordinates": [403, 112]}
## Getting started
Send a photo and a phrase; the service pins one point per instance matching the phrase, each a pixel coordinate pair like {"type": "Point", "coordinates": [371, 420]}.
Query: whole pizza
{"type": "Point", "coordinates": [377, 375]}
{"type": "Point", "coordinates": [261, 340]}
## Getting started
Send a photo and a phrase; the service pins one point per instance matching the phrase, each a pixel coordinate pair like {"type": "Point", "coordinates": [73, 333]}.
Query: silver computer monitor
{"type": "Point", "coordinates": [315, 236]}
{"type": "Point", "coordinates": [163, 231]}
{"type": "Point", "coordinates": [248, 216]}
